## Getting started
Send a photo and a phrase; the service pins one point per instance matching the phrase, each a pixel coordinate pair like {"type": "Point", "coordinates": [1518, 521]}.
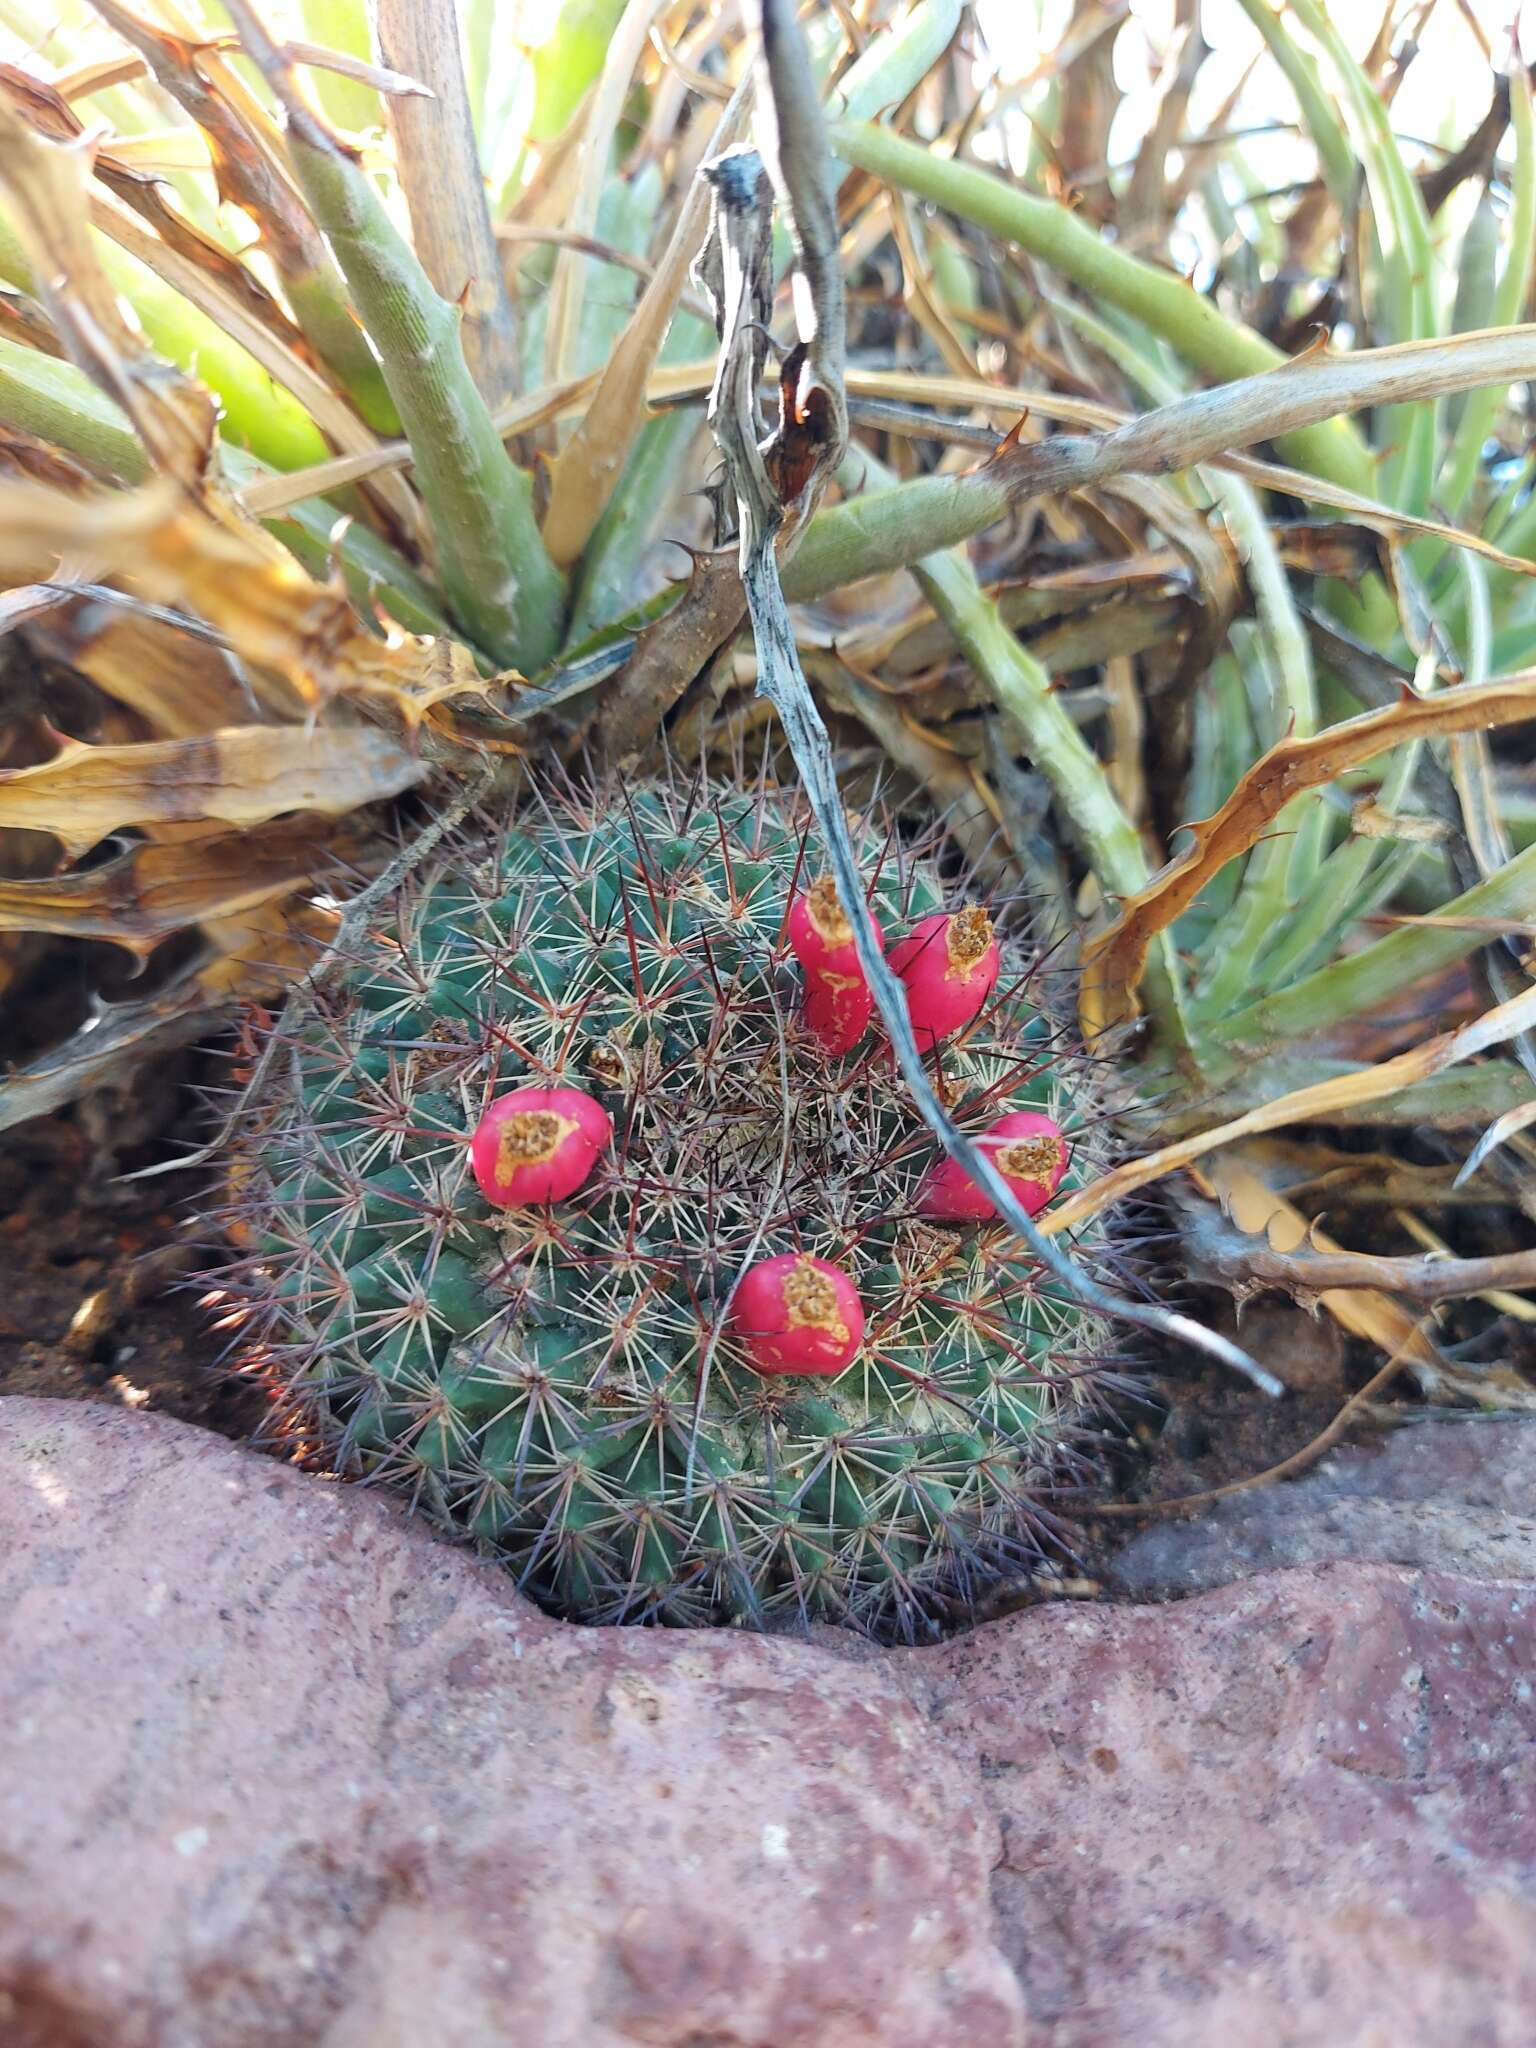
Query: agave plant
{"type": "Point", "coordinates": [353, 391]}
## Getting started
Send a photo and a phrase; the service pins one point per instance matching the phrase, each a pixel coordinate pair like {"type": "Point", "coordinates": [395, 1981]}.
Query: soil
{"type": "Point", "coordinates": [99, 1289]}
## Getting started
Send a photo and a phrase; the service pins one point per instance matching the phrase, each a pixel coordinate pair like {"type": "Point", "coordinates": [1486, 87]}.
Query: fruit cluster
{"type": "Point", "coordinates": [592, 1209]}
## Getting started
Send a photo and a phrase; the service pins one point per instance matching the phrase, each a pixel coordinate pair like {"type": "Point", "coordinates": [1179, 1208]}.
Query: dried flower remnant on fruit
{"type": "Point", "coordinates": [811, 1300]}
{"type": "Point", "coordinates": [826, 913]}
{"type": "Point", "coordinates": [968, 941]}
{"type": "Point", "coordinates": [1033, 1159]}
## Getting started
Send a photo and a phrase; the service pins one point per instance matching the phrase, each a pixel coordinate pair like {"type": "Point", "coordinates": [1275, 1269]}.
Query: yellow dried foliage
{"type": "Point", "coordinates": [1234, 1180]}
{"type": "Point", "coordinates": [241, 776]}
{"type": "Point", "coordinates": [1315, 1103]}
{"type": "Point", "coordinates": [1115, 958]}
{"type": "Point", "coordinates": [147, 891]}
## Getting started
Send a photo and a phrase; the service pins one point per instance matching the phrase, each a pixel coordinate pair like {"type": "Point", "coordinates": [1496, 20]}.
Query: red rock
{"type": "Point", "coordinates": [278, 1768]}
{"type": "Point", "coordinates": [1453, 1495]}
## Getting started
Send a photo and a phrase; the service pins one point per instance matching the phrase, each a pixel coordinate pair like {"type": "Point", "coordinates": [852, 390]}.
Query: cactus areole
{"type": "Point", "coordinates": [557, 1215]}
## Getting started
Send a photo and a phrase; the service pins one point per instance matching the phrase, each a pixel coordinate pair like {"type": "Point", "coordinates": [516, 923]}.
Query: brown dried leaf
{"type": "Point", "coordinates": [1258, 1210]}
{"type": "Point", "coordinates": [45, 108]}
{"type": "Point", "coordinates": [1115, 959]}
{"type": "Point", "coordinates": [585, 474]}
{"type": "Point", "coordinates": [206, 557]}
{"type": "Point", "coordinates": [595, 126]}
{"type": "Point", "coordinates": [147, 891]}
{"type": "Point", "coordinates": [45, 183]}
{"type": "Point", "coordinates": [176, 681]}
{"type": "Point", "coordinates": [279, 946]}
{"type": "Point", "coordinates": [240, 776]}
{"type": "Point", "coordinates": [1303, 1105]}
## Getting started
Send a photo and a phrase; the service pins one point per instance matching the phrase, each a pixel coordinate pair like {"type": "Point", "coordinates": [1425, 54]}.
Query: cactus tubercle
{"type": "Point", "coordinates": [538, 1145]}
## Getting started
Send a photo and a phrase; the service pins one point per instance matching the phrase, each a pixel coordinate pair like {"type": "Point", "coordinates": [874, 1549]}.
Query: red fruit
{"type": "Point", "coordinates": [538, 1145]}
{"type": "Point", "coordinates": [949, 963]}
{"type": "Point", "coordinates": [837, 1010]}
{"type": "Point", "coordinates": [1027, 1149]}
{"type": "Point", "coordinates": [821, 935]}
{"type": "Point", "coordinates": [838, 1005]}
{"type": "Point", "coordinates": [796, 1314]}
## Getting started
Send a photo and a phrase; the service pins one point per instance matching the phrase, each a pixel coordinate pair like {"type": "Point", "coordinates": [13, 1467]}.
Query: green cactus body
{"type": "Point", "coordinates": [561, 1384]}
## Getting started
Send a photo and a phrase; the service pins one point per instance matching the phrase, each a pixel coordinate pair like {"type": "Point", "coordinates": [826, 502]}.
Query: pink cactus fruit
{"type": "Point", "coordinates": [1028, 1149]}
{"type": "Point", "coordinates": [798, 1314]}
{"type": "Point", "coordinates": [836, 1011]}
{"type": "Point", "coordinates": [949, 963]}
{"type": "Point", "coordinates": [538, 1145]}
{"type": "Point", "coordinates": [838, 1005]}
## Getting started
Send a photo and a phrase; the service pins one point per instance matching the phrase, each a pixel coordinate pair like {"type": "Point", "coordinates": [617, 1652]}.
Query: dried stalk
{"type": "Point", "coordinates": [738, 184]}
{"type": "Point", "coordinates": [439, 167]}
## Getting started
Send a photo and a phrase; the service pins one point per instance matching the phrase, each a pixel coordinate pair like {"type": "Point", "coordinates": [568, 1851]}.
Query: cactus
{"type": "Point", "coordinates": [560, 1213]}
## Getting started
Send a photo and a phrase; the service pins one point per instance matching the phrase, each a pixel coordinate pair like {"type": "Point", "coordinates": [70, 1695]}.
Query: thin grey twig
{"type": "Point", "coordinates": [741, 197]}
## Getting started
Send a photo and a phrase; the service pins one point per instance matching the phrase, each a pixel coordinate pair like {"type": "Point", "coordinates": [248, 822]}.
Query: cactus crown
{"type": "Point", "coordinates": [563, 1383]}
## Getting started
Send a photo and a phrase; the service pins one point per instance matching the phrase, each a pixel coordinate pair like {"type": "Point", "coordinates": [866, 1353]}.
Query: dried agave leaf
{"type": "Point", "coordinates": [1258, 1210]}
{"type": "Point", "coordinates": [596, 128]}
{"type": "Point", "coordinates": [203, 555]}
{"type": "Point", "coordinates": [1498, 1133]}
{"type": "Point", "coordinates": [1114, 959]}
{"type": "Point", "coordinates": [107, 1049]}
{"type": "Point", "coordinates": [1303, 1105]}
{"type": "Point", "coordinates": [276, 948]}
{"type": "Point", "coordinates": [147, 891]}
{"type": "Point", "coordinates": [45, 108]}
{"type": "Point", "coordinates": [585, 474]}
{"type": "Point", "coordinates": [46, 185]}
{"type": "Point", "coordinates": [241, 776]}
{"type": "Point", "coordinates": [177, 680]}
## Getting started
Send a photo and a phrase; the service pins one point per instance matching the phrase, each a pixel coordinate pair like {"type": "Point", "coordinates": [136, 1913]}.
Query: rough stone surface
{"type": "Point", "coordinates": [1455, 1495]}
{"type": "Point", "coordinates": [276, 1768]}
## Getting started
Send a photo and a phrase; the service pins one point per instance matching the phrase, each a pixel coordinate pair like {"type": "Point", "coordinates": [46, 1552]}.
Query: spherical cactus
{"type": "Point", "coordinates": [1029, 1151]}
{"type": "Point", "coordinates": [555, 1215]}
{"type": "Point", "coordinates": [949, 964]}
